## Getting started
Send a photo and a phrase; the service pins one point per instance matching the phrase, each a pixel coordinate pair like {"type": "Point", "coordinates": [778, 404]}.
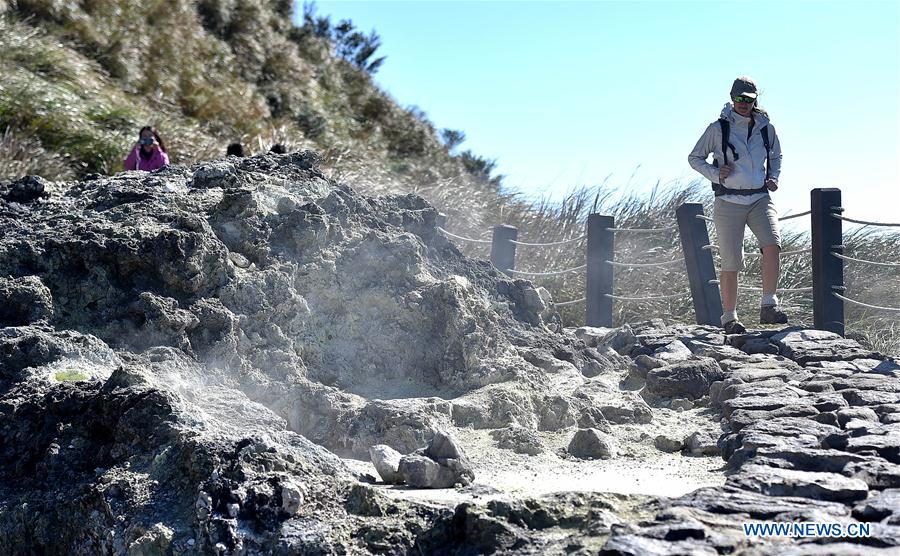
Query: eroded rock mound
{"type": "Point", "coordinates": [171, 340]}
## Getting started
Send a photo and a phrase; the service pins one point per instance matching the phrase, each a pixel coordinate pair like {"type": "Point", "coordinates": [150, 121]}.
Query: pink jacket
{"type": "Point", "coordinates": [155, 162]}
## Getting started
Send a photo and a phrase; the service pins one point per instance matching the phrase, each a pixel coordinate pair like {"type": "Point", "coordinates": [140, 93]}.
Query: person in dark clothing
{"type": "Point", "coordinates": [235, 149]}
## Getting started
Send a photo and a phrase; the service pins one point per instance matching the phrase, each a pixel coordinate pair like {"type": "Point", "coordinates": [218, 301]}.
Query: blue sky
{"type": "Point", "coordinates": [567, 94]}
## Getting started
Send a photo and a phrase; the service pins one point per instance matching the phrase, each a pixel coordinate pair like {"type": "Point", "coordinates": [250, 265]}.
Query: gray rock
{"type": "Point", "coordinates": [636, 545]}
{"type": "Point", "coordinates": [387, 462]}
{"type": "Point", "coordinates": [424, 472]}
{"type": "Point", "coordinates": [645, 363]}
{"type": "Point", "coordinates": [757, 403]}
{"type": "Point", "coordinates": [519, 440]}
{"type": "Point", "coordinates": [627, 409]}
{"type": "Point", "coordinates": [870, 397]}
{"type": "Point", "coordinates": [807, 484]}
{"type": "Point", "coordinates": [442, 464]}
{"type": "Point", "coordinates": [801, 458]}
{"type": "Point", "coordinates": [875, 472]}
{"type": "Point", "coordinates": [885, 445]}
{"type": "Point", "coordinates": [702, 443]}
{"type": "Point", "coordinates": [668, 443]}
{"type": "Point", "coordinates": [863, 413]}
{"type": "Point", "coordinates": [807, 346]}
{"type": "Point", "coordinates": [673, 352]}
{"type": "Point", "coordinates": [758, 345]}
{"type": "Point", "coordinates": [24, 301]}
{"type": "Point", "coordinates": [741, 418]}
{"type": "Point", "coordinates": [592, 444]}
{"type": "Point", "coordinates": [729, 499]}
{"type": "Point", "coordinates": [688, 379]}
{"type": "Point", "coordinates": [878, 506]}
{"type": "Point", "coordinates": [792, 427]}
{"type": "Point", "coordinates": [26, 190]}
{"type": "Point", "coordinates": [681, 404]}
{"type": "Point", "coordinates": [866, 381]}
{"type": "Point", "coordinates": [621, 339]}
{"type": "Point", "coordinates": [443, 446]}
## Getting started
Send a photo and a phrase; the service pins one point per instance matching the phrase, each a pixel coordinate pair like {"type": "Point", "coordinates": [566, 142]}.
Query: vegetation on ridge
{"type": "Point", "coordinates": [79, 79]}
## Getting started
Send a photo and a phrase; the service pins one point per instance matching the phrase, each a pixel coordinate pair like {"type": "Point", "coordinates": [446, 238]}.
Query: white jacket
{"type": "Point", "coordinates": [750, 168]}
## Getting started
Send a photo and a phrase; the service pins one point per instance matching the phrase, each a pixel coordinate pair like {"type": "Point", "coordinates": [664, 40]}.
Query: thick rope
{"type": "Point", "coordinates": [551, 273]}
{"type": "Point", "coordinates": [795, 215]}
{"type": "Point", "coordinates": [662, 263]}
{"type": "Point", "coordinates": [846, 258]}
{"type": "Point", "coordinates": [861, 304]}
{"type": "Point", "coordinates": [890, 224]}
{"type": "Point", "coordinates": [514, 242]}
{"type": "Point", "coordinates": [656, 298]}
{"type": "Point", "coordinates": [572, 302]}
{"type": "Point", "coordinates": [445, 232]}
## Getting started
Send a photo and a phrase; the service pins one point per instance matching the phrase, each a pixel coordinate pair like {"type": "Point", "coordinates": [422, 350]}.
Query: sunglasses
{"type": "Point", "coordinates": [744, 100]}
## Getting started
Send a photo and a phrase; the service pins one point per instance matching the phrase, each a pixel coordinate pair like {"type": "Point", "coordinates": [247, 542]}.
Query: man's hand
{"type": "Point", "coordinates": [725, 171]}
{"type": "Point", "coordinates": [771, 184]}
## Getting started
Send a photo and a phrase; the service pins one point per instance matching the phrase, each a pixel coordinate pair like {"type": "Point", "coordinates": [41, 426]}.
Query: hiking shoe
{"type": "Point", "coordinates": [771, 314]}
{"type": "Point", "coordinates": [734, 327]}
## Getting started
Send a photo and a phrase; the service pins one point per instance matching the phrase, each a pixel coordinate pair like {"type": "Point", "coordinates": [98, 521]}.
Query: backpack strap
{"type": "Point", "coordinates": [764, 131]}
{"type": "Point", "coordinates": [726, 136]}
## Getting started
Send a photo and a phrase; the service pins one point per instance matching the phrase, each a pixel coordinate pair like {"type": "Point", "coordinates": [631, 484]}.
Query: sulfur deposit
{"type": "Point", "coordinates": [244, 357]}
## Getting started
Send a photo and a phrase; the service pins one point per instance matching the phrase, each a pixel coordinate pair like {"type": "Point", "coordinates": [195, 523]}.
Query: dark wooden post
{"type": "Point", "coordinates": [827, 270]}
{"type": "Point", "coordinates": [503, 250]}
{"type": "Point", "coordinates": [600, 247]}
{"type": "Point", "coordinates": [699, 262]}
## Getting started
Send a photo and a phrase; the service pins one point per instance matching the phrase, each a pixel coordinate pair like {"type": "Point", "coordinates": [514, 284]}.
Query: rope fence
{"type": "Point", "coordinates": [551, 273]}
{"type": "Point", "coordinates": [461, 238]}
{"type": "Point", "coordinates": [826, 252]}
{"type": "Point", "coordinates": [563, 242]}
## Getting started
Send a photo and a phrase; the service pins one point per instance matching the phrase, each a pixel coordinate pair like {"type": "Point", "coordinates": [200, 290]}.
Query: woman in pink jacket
{"type": "Point", "coordinates": [149, 153]}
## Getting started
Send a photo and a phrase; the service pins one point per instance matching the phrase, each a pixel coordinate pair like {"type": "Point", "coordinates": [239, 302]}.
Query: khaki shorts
{"type": "Point", "coordinates": [730, 219]}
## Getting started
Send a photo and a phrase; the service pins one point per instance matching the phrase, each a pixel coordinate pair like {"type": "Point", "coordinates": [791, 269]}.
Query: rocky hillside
{"type": "Point", "coordinates": [243, 356]}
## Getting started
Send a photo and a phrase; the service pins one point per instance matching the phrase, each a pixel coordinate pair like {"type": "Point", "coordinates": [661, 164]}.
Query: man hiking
{"type": "Point", "coordinates": [745, 168]}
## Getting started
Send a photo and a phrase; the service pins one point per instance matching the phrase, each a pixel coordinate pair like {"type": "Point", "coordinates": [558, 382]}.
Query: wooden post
{"type": "Point", "coordinates": [827, 270]}
{"type": "Point", "coordinates": [503, 250]}
{"type": "Point", "coordinates": [600, 245]}
{"type": "Point", "coordinates": [699, 262]}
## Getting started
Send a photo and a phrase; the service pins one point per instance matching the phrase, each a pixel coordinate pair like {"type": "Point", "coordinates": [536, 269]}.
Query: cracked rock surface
{"type": "Point", "coordinates": [199, 360]}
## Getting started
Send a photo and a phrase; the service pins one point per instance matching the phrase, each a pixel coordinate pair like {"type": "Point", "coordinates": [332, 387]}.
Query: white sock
{"type": "Point", "coordinates": [729, 316]}
{"type": "Point", "coordinates": [769, 299]}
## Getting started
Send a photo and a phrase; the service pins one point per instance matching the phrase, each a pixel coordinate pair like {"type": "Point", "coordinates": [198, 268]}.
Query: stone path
{"type": "Point", "coordinates": [811, 433]}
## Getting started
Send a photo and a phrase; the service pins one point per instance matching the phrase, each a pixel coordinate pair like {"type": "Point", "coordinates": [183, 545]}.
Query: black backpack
{"type": "Point", "coordinates": [726, 135]}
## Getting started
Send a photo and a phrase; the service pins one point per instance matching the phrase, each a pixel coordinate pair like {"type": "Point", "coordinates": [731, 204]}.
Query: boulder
{"type": "Point", "coordinates": [387, 462]}
{"type": "Point", "coordinates": [688, 379]}
{"type": "Point", "coordinates": [592, 444]}
{"type": "Point", "coordinates": [442, 464]}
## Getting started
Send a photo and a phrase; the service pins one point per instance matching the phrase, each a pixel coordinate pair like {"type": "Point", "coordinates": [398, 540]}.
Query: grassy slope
{"type": "Point", "coordinates": [79, 80]}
